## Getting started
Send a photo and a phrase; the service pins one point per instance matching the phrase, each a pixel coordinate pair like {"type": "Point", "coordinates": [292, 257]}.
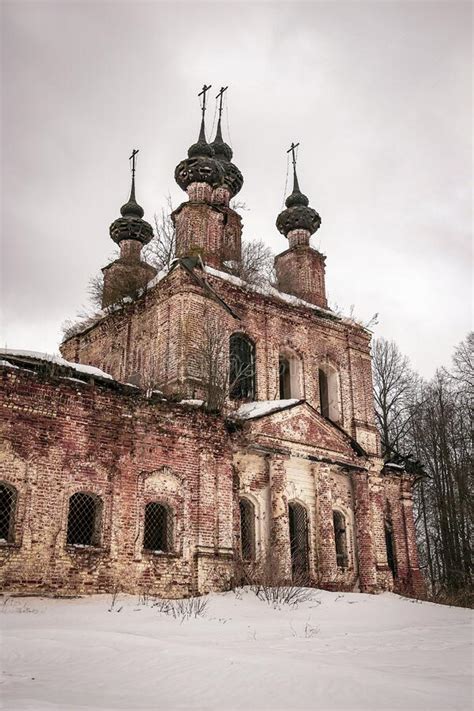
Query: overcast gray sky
{"type": "Point", "coordinates": [378, 94]}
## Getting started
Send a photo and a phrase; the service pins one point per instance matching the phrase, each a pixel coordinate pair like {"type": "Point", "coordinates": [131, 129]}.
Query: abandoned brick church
{"type": "Point", "coordinates": [203, 427]}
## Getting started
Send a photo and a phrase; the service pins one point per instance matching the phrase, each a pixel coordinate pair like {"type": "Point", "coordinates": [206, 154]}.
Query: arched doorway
{"type": "Point", "coordinates": [298, 522]}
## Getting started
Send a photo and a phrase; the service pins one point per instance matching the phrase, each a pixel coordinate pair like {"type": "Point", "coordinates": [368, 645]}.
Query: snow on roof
{"type": "Point", "coordinates": [392, 465]}
{"type": "Point", "coordinates": [250, 410]}
{"type": "Point", "coordinates": [6, 364]}
{"type": "Point", "coordinates": [57, 360]}
{"type": "Point", "coordinates": [267, 290]}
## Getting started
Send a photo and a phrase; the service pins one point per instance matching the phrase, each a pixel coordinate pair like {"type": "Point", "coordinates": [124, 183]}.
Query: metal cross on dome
{"type": "Point", "coordinates": [292, 149]}
{"type": "Point", "coordinates": [132, 158]}
{"type": "Point", "coordinates": [202, 93]}
{"type": "Point", "coordinates": [220, 96]}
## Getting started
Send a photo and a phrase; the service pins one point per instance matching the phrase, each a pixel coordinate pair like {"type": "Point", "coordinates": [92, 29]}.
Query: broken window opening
{"type": "Point", "coordinates": [158, 532]}
{"type": "Point", "coordinates": [84, 520]}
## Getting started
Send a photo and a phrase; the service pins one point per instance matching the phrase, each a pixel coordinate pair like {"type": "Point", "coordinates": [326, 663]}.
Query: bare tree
{"type": "Point", "coordinates": [255, 264]}
{"type": "Point", "coordinates": [161, 251]}
{"type": "Point", "coordinates": [395, 385]}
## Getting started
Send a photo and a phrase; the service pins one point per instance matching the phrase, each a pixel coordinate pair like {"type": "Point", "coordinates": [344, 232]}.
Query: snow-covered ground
{"type": "Point", "coordinates": [334, 651]}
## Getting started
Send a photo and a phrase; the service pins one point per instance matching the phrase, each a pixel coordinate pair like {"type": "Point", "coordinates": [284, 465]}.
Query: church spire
{"type": "Point", "coordinates": [298, 215]}
{"type": "Point", "coordinates": [233, 179]}
{"type": "Point", "coordinates": [131, 225]}
{"type": "Point", "coordinates": [199, 166]}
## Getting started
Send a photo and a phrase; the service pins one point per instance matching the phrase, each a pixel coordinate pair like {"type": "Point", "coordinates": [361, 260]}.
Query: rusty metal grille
{"type": "Point", "coordinates": [158, 533]}
{"type": "Point", "coordinates": [298, 521]}
{"type": "Point", "coordinates": [340, 539]}
{"type": "Point", "coordinates": [83, 525]}
{"type": "Point", "coordinates": [247, 529]}
{"type": "Point", "coordinates": [7, 511]}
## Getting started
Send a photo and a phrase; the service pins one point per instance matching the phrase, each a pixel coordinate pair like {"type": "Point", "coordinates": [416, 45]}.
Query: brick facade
{"type": "Point", "coordinates": [306, 462]}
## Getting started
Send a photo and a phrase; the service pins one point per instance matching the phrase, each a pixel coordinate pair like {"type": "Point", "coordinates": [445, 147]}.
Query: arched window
{"type": "Point", "coordinates": [242, 368]}
{"type": "Point", "coordinates": [289, 368]}
{"type": "Point", "coordinates": [247, 529]}
{"type": "Point", "coordinates": [329, 399]}
{"type": "Point", "coordinates": [340, 538]}
{"type": "Point", "coordinates": [158, 534]}
{"type": "Point", "coordinates": [7, 512]}
{"type": "Point", "coordinates": [84, 519]}
{"type": "Point", "coordinates": [389, 544]}
{"type": "Point", "coordinates": [298, 522]}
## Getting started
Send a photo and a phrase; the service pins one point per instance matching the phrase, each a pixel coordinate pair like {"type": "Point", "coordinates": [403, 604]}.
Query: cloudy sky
{"type": "Point", "coordinates": [378, 94]}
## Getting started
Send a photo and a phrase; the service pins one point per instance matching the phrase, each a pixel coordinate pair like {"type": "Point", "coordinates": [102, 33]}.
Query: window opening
{"type": "Point", "coordinates": [158, 528]}
{"type": "Point", "coordinates": [242, 368]}
{"type": "Point", "coordinates": [298, 521]}
{"type": "Point", "coordinates": [340, 539]}
{"type": "Point", "coordinates": [247, 529]}
{"type": "Point", "coordinates": [389, 544]}
{"type": "Point", "coordinates": [7, 512]}
{"type": "Point", "coordinates": [83, 526]}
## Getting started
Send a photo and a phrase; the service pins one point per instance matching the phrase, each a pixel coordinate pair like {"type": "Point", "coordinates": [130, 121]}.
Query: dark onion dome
{"type": "Point", "coordinates": [131, 225]}
{"type": "Point", "coordinates": [200, 166]}
{"type": "Point", "coordinates": [233, 178]}
{"type": "Point", "coordinates": [297, 216]}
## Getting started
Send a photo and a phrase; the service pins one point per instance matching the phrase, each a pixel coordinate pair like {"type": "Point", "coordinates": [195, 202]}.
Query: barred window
{"type": "Point", "coordinates": [247, 529]}
{"type": "Point", "coordinates": [242, 367]}
{"type": "Point", "coordinates": [340, 538]}
{"type": "Point", "coordinates": [158, 534]}
{"type": "Point", "coordinates": [7, 512]}
{"type": "Point", "coordinates": [84, 519]}
{"type": "Point", "coordinates": [389, 544]}
{"type": "Point", "coordinates": [298, 521]}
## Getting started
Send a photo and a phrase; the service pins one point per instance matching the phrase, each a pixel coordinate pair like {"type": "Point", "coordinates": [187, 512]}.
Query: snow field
{"type": "Point", "coordinates": [334, 651]}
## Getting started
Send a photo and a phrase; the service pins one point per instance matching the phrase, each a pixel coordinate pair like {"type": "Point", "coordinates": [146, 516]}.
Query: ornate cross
{"type": "Point", "coordinates": [293, 155]}
{"type": "Point", "coordinates": [203, 94]}
{"type": "Point", "coordinates": [220, 96]}
{"type": "Point", "coordinates": [132, 158]}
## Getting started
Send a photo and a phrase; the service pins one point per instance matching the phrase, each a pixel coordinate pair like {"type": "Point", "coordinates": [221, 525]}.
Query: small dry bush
{"type": "Point", "coordinates": [267, 582]}
{"type": "Point", "coordinates": [182, 609]}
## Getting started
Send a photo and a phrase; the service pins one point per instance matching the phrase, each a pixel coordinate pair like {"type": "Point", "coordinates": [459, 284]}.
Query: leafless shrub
{"type": "Point", "coordinates": [267, 582]}
{"type": "Point", "coordinates": [182, 609]}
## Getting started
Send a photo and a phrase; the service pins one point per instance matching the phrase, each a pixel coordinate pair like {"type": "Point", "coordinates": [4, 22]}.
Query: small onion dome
{"type": "Point", "coordinates": [233, 178]}
{"type": "Point", "coordinates": [200, 166]}
{"type": "Point", "coordinates": [131, 225]}
{"type": "Point", "coordinates": [297, 216]}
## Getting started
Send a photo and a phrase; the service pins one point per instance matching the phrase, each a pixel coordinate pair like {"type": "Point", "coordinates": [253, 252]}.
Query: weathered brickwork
{"type": "Point", "coordinates": [130, 483]}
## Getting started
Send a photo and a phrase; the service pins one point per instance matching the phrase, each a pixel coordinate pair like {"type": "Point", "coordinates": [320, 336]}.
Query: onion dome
{"type": "Point", "coordinates": [297, 216]}
{"type": "Point", "coordinates": [200, 165]}
{"type": "Point", "coordinates": [131, 225]}
{"type": "Point", "coordinates": [233, 179]}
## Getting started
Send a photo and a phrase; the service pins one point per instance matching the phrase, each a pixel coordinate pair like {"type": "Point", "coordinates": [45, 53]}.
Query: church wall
{"type": "Point", "coordinates": [59, 437]}
{"type": "Point", "coordinates": [149, 343]}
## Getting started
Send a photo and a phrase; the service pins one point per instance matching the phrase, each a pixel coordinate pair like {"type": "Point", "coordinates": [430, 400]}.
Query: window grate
{"type": "Point", "coordinates": [247, 529]}
{"type": "Point", "coordinates": [158, 533]}
{"type": "Point", "coordinates": [83, 528]}
{"type": "Point", "coordinates": [242, 367]}
{"type": "Point", "coordinates": [7, 511]}
{"type": "Point", "coordinates": [298, 521]}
